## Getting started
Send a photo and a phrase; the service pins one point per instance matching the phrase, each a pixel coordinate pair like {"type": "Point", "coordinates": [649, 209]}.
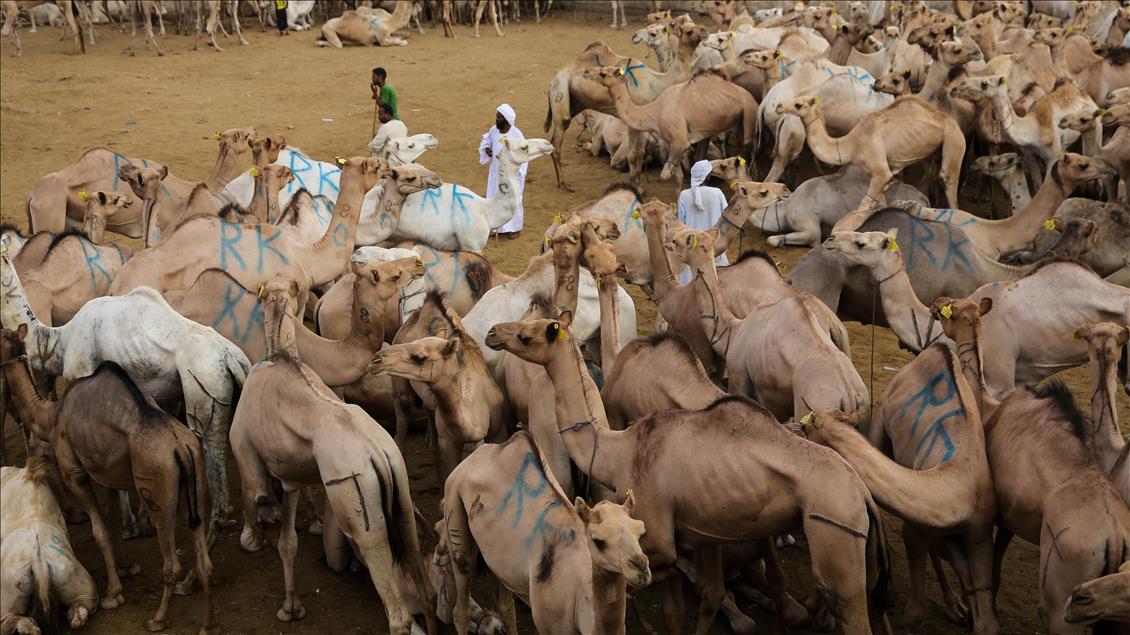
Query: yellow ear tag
{"type": "Point", "coordinates": [216, 136]}
{"type": "Point", "coordinates": [636, 213]}
{"type": "Point", "coordinates": [694, 242]}
{"type": "Point", "coordinates": [255, 171]}
{"type": "Point", "coordinates": [82, 195]}
{"type": "Point", "coordinates": [1049, 224]}
{"type": "Point", "coordinates": [806, 419]}
{"type": "Point", "coordinates": [560, 331]}
{"type": "Point", "coordinates": [947, 311]}
{"type": "Point", "coordinates": [733, 185]}
{"type": "Point", "coordinates": [1071, 29]}
{"type": "Point", "coordinates": [741, 161]}
{"type": "Point", "coordinates": [339, 160]}
{"type": "Point", "coordinates": [558, 219]}
{"type": "Point", "coordinates": [1102, 111]}
{"type": "Point", "coordinates": [816, 101]}
{"type": "Point", "coordinates": [620, 70]}
{"type": "Point", "coordinates": [894, 246]}
{"type": "Point", "coordinates": [262, 289]}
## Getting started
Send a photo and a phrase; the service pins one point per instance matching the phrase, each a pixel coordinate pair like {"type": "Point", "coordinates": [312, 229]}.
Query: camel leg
{"type": "Point", "coordinates": [1000, 546]}
{"type": "Point", "coordinates": [129, 520]}
{"type": "Point", "coordinates": [674, 613]}
{"type": "Point", "coordinates": [161, 494]}
{"type": "Point", "coordinates": [79, 483]}
{"type": "Point", "coordinates": [493, 9]}
{"type": "Point", "coordinates": [972, 560]}
{"type": "Point", "coordinates": [213, 20]}
{"type": "Point", "coordinates": [917, 549]}
{"type": "Point", "coordinates": [464, 553]}
{"type": "Point", "coordinates": [291, 608]}
{"type": "Point", "coordinates": [880, 181]}
{"type": "Point", "coordinates": [254, 483]}
{"type": "Point", "coordinates": [839, 563]}
{"type": "Point", "coordinates": [953, 152]}
{"type": "Point", "coordinates": [479, 7]}
{"type": "Point", "coordinates": [806, 234]}
{"type": "Point", "coordinates": [376, 552]}
{"type": "Point", "coordinates": [740, 623]}
{"type": "Point", "coordinates": [234, 8]}
{"type": "Point", "coordinates": [506, 609]}
{"type": "Point", "coordinates": [673, 168]}
{"type": "Point", "coordinates": [788, 146]}
{"type": "Point", "coordinates": [955, 609]}
{"type": "Point", "coordinates": [210, 419]}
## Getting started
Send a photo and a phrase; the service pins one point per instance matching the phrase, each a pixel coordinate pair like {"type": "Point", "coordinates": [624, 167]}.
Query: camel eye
{"type": "Point", "coordinates": [524, 339]}
{"type": "Point", "coordinates": [418, 358]}
{"type": "Point", "coordinates": [860, 244]}
{"type": "Point", "coordinates": [599, 544]}
{"type": "Point", "coordinates": [764, 192]}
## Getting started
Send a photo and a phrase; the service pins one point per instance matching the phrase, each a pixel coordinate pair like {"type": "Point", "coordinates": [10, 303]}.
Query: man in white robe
{"type": "Point", "coordinates": [700, 207]}
{"type": "Point", "coordinates": [488, 153]}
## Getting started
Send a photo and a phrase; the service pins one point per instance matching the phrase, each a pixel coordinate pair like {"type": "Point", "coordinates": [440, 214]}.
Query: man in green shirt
{"type": "Point", "coordinates": [382, 92]}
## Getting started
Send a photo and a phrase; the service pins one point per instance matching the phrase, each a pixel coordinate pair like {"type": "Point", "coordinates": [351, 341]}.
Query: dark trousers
{"type": "Point", "coordinates": [280, 19]}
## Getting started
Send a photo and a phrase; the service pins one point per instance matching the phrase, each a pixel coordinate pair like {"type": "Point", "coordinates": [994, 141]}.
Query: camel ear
{"type": "Point", "coordinates": [812, 101]}
{"type": "Point", "coordinates": [294, 288]}
{"type": "Point", "coordinates": [893, 233]}
{"type": "Point", "coordinates": [630, 502]}
{"type": "Point", "coordinates": [942, 307]}
{"type": "Point", "coordinates": [101, 198]}
{"type": "Point", "coordinates": [986, 306]}
{"type": "Point", "coordinates": [163, 172]}
{"type": "Point", "coordinates": [906, 74]}
{"type": "Point", "coordinates": [21, 330]}
{"type": "Point", "coordinates": [450, 347]}
{"type": "Point", "coordinates": [566, 318]}
{"type": "Point", "coordinates": [1000, 80]}
{"type": "Point", "coordinates": [855, 418]}
{"type": "Point", "coordinates": [583, 509]}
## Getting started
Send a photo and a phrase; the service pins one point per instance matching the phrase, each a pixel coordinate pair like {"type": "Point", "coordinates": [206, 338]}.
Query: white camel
{"type": "Point", "coordinates": [801, 43]}
{"type": "Point", "coordinates": [170, 357]}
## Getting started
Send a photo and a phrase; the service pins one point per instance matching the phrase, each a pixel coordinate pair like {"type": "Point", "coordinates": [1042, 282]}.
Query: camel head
{"type": "Point", "coordinates": [720, 41]}
{"type": "Point", "coordinates": [732, 170]}
{"type": "Point", "coordinates": [1082, 120]}
{"type": "Point", "coordinates": [536, 341]}
{"type": "Point", "coordinates": [857, 12]}
{"type": "Point", "coordinates": [976, 88]}
{"type": "Point", "coordinates": [656, 213]}
{"type": "Point", "coordinates": [99, 207]}
{"type": "Point", "coordinates": [412, 178]}
{"type": "Point", "coordinates": [997, 164]}
{"type": "Point", "coordinates": [408, 149]}
{"type": "Point", "coordinates": [1117, 115]}
{"type": "Point", "coordinates": [607, 76]}
{"type": "Point", "coordinates": [236, 140]}
{"type": "Point", "coordinates": [1010, 12]}
{"type": "Point", "coordinates": [806, 107]}
{"type": "Point", "coordinates": [1037, 21]}
{"type": "Point", "coordinates": [525, 150]}
{"type": "Point", "coordinates": [614, 539]}
{"type": "Point", "coordinates": [145, 182]}
{"type": "Point", "coordinates": [1118, 96]}
{"type": "Point", "coordinates": [813, 424]}
{"type": "Point", "coordinates": [870, 45]}
{"type": "Point", "coordinates": [960, 319]}
{"type": "Point", "coordinates": [719, 11]}
{"type": "Point", "coordinates": [690, 35]}
{"type": "Point", "coordinates": [873, 250]}
{"type": "Point", "coordinates": [693, 247]}
{"type": "Point", "coordinates": [275, 176]}
{"type": "Point", "coordinates": [1073, 169]}
{"type": "Point", "coordinates": [566, 242]}
{"type": "Point", "coordinates": [824, 20]}
{"type": "Point", "coordinates": [928, 36]}
{"type": "Point", "coordinates": [658, 17]}
{"type": "Point", "coordinates": [599, 255]}
{"type": "Point", "coordinates": [751, 196]}
{"type": "Point", "coordinates": [1099, 598]}
{"type": "Point", "coordinates": [896, 82]}
{"type": "Point", "coordinates": [378, 282]}
{"type": "Point", "coordinates": [12, 343]}
{"type": "Point", "coordinates": [1051, 37]}
{"type": "Point", "coordinates": [855, 32]}
{"type": "Point", "coordinates": [958, 53]}
{"type": "Point", "coordinates": [1105, 343]}
{"type": "Point", "coordinates": [265, 150]}
{"type": "Point", "coordinates": [651, 35]}
{"type": "Point", "coordinates": [368, 171]}
{"type": "Point", "coordinates": [762, 59]}
{"type": "Point", "coordinates": [428, 359]}
{"type": "Point", "coordinates": [279, 298]}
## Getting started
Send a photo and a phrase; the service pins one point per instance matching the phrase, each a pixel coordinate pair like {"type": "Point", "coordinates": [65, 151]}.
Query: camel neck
{"type": "Point", "coordinates": [337, 362]}
{"type": "Point", "coordinates": [599, 452]}
{"type": "Point", "coordinates": [635, 117]}
{"type": "Point", "coordinates": [907, 316]}
{"type": "Point", "coordinates": [968, 346]}
{"type": "Point", "coordinates": [30, 405]}
{"type": "Point", "coordinates": [936, 80]}
{"type": "Point", "coordinates": [1013, 182]}
{"type": "Point", "coordinates": [730, 224]}
{"type": "Point", "coordinates": [609, 602]}
{"type": "Point", "coordinates": [566, 279]}
{"type": "Point", "coordinates": [1027, 222]}
{"type": "Point", "coordinates": [608, 291]}
{"type": "Point", "coordinates": [1021, 131]}
{"type": "Point", "coordinates": [502, 206]}
{"type": "Point", "coordinates": [325, 260]}
{"type": "Point", "coordinates": [717, 320]}
{"type": "Point", "coordinates": [663, 280]}
{"type": "Point", "coordinates": [259, 207]}
{"type": "Point", "coordinates": [224, 170]}
{"type": "Point", "coordinates": [1093, 141]}
{"type": "Point", "coordinates": [1106, 439]}
{"type": "Point", "coordinates": [44, 344]}
{"type": "Point", "coordinates": [840, 50]}
{"type": "Point", "coordinates": [824, 146]}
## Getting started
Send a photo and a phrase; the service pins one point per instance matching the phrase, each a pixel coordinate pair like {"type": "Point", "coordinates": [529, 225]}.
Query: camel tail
{"type": "Point", "coordinates": [878, 562]}
{"type": "Point", "coordinates": [42, 575]}
{"type": "Point", "coordinates": [1124, 367]}
{"type": "Point", "coordinates": [548, 108]}
{"type": "Point", "coordinates": [392, 510]}
{"type": "Point", "coordinates": [192, 483]}
{"type": "Point", "coordinates": [750, 128]}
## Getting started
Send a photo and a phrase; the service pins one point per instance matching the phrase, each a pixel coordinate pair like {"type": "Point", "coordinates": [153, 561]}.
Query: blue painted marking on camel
{"type": "Point", "coordinates": [630, 71]}
{"type": "Point", "coordinates": [117, 166]}
{"type": "Point", "coordinates": [457, 199]}
{"type": "Point", "coordinates": [92, 265]}
{"type": "Point", "coordinates": [266, 244]}
{"type": "Point", "coordinates": [294, 158]}
{"type": "Point", "coordinates": [521, 492]}
{"type": "Point", "coordinates": [935, 433]}
{"type": "Point", "coordinates": [432, 196]}
{"type": "Point", "coordinates": [232, 295]}
{"type": "Point", "coordinates": [324, 177]}
{"type": "Point", "coordinates": [340, 234]}
{"type": "Point", "coordinates": [230, 243]}
{"type": "Point", "coordinates": [57, 545]}
{"type": "Point", "coordinates": [922, 235]}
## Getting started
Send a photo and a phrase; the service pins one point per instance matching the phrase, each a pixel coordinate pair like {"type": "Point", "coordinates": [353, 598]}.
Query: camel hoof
{"type": "Point", "coordinates": [250, 541]}
{"type": "Point", "coordinates": [184, 587]}
{"type": "Point", "coordinates": [315, 528]}
{"type": "Point", "coordinates": [129, 533]}
{"type": "Point", "coordinates": [154, 626]}
{"type": "Point", "coordinates": [743, 625]}
{"type": "Point", "coordinates": [26, 626]}
{"type": "Point", "coordinates": [129, 571]}
{"type": "Point", "coordinates": [77, 616]}
{"type": "Point", "coordinates": [111, 602]}
{"type": "Point", "coordinates": [957, 613]}
{"type": "Point", "coordinates": [774, 241]}
{"type": "Point", "coordinates": [297, 613]}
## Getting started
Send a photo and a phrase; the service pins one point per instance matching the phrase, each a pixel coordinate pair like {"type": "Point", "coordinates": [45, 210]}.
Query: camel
{"type": "Point", "coordinates": [55, 200]}
{"type": "Point", "coordinates": [1095, 74]}
{"type": "Point", "coordinates": [1106, 598]}
{"type": "Point", "coordinates": [1041, 427]}
{"type": "Point", "coordinates": [950, 64]}
{"type": "Point", "coordinates": [684, 114]}
{"type": "Point", "coordinates": [739, 436]}
{"type": "Point", "coordinates": [469, 217]}
{"type": "Point", "coordinates": [100, 206]}
{"type": "Point", "coordinates": [73, 271]}
{"type": "Point", "coordinates": [366, 26]}
{"type": "Point", "coordinates": [255, 253]}
{"type": "Point", "coordinates": [1006, 168]}
{"type": "Point", "coordinates": [171, 357]}
{"type": "Point", "coordinates": [883, 155]}
{"type": "Point", "coordinates": [1037, 132]}
{"type": "Point", "coordinates": [461, 390]}
{"type": "Point", "coordinates": [577, 561]}
{"type": "Point", "coordinates": [599, 256]}
{"type": "Point", "coordinates": [1107, 254]}
{"type": "Point", "coordinates": [778, 352]}
{"type": "Point", "coordinates": [809, 213]}
{"type": "Point", "coordinates": [619, 204]}
{"type": "Point", "coordinates": [1116, 152]}
{"type": "Point", "coordinates": [570, 92]}
{"type": "Point", "coordinates": [1069, 239]}
{"type": "Point", "coordinates": [318, 178]}
{"type": "Point", "coordinates": [1013, 356]}
{"type": "Point", "coordinates": [995, 238]}
{"type": "Point", "coordinates": [405, 150]}
{"type": "Point", "coordinates": [30, 573]}
{"type": "Point", "coordinates": [348, 453]}
{"type": "Point", "coordinates": [14, 240]}
{"type": "Point", "coordinates": [608, 134]}
{"type": "Point", "coordinates": [937, 477]}
{"type": "Point", "coordinates": [1106, 343]}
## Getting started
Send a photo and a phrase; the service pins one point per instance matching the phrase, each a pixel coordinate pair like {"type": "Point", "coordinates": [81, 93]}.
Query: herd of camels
{"type": "Point", "coordinates": [307, 331]}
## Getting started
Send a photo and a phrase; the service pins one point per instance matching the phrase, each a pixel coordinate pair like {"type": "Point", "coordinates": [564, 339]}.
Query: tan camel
{"type": "Point", "coordinates": [106, 434]}
{"type": "Point", "coordinates": [937, 478]}
{"type": "Point", "coordinates": [882, 154]}
{"type": "Point", "coordinates": [350, 454]}
{"type": "Point", "coordinates": [778, 353]}
{"type": "Point", "coordinates": [269, 180]}
{"type": "Point", "coordinates": [366, 26]}
{"type": "Point", "coordinates": [739, 437]}
{"type": "Point", "coordinates": [461, 390]}
{"type": "Point", "coordinates": [55, 200]}
{"type": "Point", "coordinates": [73, 271]}
{"type": "Point", "coordinates": [684, 114]}
{"type": "Point", "coordinates": [995, 238]}
{"type": "Point", "coordinates": [1106, 342]}
{"type": "Point", "coordinates": [255, 253]}
{"type": "Point", "coordinates": [950, 60]}
{"type": "Point", "coordinates": [1095, 74]}
{"type": "Point", "coordinates": [599, 257]}
{"type": "Point", "coordinates": [1116, 151]}
{"type": "Point", "coordinates": [100, 206]}
{"type": "Point", "coordinates": [570, 563]}
{"type": "Point", "coordinates": [1105, 598]}
{"type": "Point", "coordinates": [1042, 428]}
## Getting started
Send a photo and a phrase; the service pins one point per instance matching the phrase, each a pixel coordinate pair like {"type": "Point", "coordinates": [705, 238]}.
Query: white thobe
{"type": "Point", "coordinates": [493, 140]}
{"type": "Point", "coordinates": [394, 129]}
{"type": "Point", "coordinates": [713, 204]}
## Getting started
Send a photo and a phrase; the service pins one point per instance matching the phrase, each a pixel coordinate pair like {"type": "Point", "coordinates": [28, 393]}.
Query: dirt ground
{"type": "Point", "coordinates": [54, 104]}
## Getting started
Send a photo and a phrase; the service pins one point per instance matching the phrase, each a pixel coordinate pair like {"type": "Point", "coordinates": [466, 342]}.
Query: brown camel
{"type": "Point", "coordinates": [1095, 74]}
{"type": "Point", "coordinates": [684, 114]}
{"type": "Point", "coordinates": [1105, 598]}
{"type": "Point", "coordinates": [570, 563]}
{"type": "Point", "coordinates": [55, 202]}
{"type": "Point", "coordinates": [366, 26]}
{"type": "Point", "coordinates": [106, 434]}
{"type": "Point", "coordinates": [347, 452]}
{"type": "Point", "coordinates": [1106, 342]}
{"type": "Point", "coordinates": [460, 388]}
{"type": "Point", "coordinates": [994, 238]}
{"type": "Point", "coordinates": [871, 146]}
{"type": "Point", "coordinates": [778, 353]}
{"type": "Point", "coordinates": [254, 254]}
{"type": "Point", "coordinates": [744, 445]}
{"type": "Point", "coordinates": [929, 423]}
{"type": "Point", "coordinates": [1047, 482]}
{"type": "Point", "coordinates": [73, 271]}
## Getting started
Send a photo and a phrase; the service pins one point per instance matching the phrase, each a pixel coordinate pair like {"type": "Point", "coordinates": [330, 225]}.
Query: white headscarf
{"type": "Point", "coordinates": [699, 172]}
{"type": "Point", "coordinates": [507, 113]}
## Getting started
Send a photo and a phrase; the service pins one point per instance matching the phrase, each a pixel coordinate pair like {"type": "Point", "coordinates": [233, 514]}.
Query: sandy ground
{"type": "Point", "coordinates": [53, 105]}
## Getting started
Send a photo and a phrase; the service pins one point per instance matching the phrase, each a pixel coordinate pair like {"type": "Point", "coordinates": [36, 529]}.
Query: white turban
{"type": "Point", "coordinates": [507, 113]}
{"type": "Point", "coordinates": [699, 172]}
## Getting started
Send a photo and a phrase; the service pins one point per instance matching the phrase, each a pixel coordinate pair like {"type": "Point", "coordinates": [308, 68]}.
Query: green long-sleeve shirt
{"type": "Point", "coordinates": [388, 96]}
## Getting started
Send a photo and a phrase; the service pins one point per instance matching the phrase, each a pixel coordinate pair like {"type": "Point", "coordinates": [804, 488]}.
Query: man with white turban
{"type": "Point", "coordinates": [488, 153]}
{"type": "Point", "coordinates": [700, 208]}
